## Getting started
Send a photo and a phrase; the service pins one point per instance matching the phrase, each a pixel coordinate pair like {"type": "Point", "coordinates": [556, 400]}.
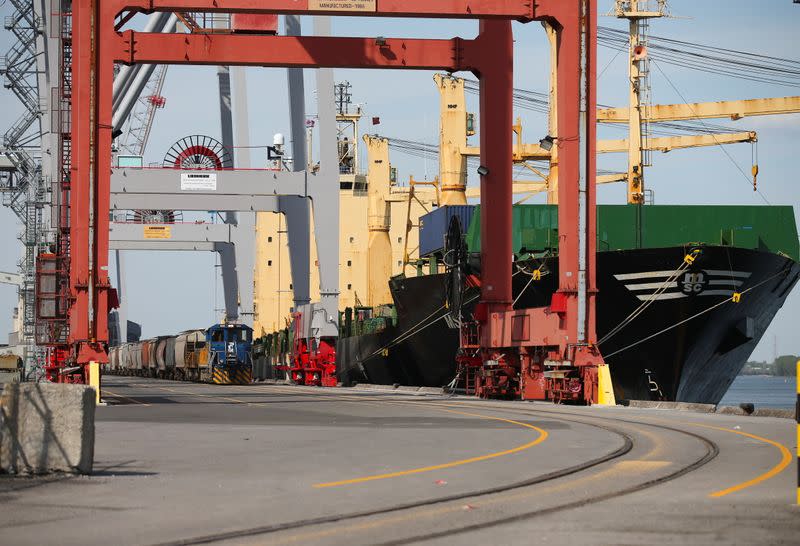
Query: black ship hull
{"type": "Point", "coordinates": [681, 347]}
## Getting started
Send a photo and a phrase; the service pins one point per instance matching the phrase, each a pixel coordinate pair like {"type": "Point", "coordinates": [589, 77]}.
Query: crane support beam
{"type": "Point", "coordinates": [666, 144]}
{"type": "Point", "coordinates": [165, 189]}
{"type": "Point", "coordinates": [523, 10]}
{"type": "Point", "coordinates": [295, 51]}
{"type": "Point", "coordinates": [735, 109]}
{"type": "Point", "coordinates": [134, 181]}
{"type": "Point", "coordinates": [10, 278]}
{"type": "Point", "coordinates": [130, 236]}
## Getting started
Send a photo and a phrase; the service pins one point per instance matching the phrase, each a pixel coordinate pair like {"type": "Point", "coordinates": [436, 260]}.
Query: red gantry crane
{"type": "Point", "coordinates": [513, 343]}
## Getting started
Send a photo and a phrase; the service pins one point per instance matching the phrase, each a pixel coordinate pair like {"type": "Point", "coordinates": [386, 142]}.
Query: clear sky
{"type": "Point", "coordinates": [170, 292]}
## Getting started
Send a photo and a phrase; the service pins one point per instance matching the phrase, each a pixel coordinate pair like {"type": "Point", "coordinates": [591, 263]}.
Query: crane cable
{"type": "Point", "coordinates": [711, 59]}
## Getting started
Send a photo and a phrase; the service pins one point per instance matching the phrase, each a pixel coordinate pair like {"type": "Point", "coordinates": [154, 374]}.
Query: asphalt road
{"type": "Point", "coordinates": [179, 463]}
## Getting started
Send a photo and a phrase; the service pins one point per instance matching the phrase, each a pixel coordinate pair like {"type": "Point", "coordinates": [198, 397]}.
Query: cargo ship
{"type": "Point", "coordinates": [688, 338]}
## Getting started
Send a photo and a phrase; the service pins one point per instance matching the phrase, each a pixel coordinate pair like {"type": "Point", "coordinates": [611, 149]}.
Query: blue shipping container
{"type": "Point", "coordinates": [433, 226]}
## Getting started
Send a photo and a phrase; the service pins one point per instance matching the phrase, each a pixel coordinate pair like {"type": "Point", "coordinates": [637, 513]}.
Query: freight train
{"type": "Point", "coordinates": [221, 354]}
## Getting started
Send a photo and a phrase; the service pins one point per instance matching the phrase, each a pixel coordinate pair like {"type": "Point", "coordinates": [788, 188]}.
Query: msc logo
{"type": "Point", "coordinates": [674, 285]}
{"type": "Point", "coordinates": [693, 282]}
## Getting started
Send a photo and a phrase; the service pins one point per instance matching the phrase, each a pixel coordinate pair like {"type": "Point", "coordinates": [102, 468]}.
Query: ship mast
{"type": "Point", "coordinates": [347, 133]}
{"type": "Point", "coordinates": [638, 13]}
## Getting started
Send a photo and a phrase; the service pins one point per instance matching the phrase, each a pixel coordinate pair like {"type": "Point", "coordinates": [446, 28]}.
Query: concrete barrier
{"type": "Point", "coordinates": [680, 406]}
{"type": "Point", "coordinates": [46, 427]}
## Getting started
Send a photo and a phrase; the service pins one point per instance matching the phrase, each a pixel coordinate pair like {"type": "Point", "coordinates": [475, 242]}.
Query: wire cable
{"type": "Point", "coordinates": [710, 59]}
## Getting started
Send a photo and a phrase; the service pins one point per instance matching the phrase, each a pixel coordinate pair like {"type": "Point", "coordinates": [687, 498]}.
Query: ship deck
{"type": "Point", "coordinates": [179, 463]}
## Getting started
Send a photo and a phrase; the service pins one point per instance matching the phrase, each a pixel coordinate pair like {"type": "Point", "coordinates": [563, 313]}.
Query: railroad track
{"type": "Point", "coordinates": [611, 424]}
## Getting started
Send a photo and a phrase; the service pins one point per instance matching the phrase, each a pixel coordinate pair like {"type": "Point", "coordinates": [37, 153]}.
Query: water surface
{"type": "Point", "coordinates": [765, 391]}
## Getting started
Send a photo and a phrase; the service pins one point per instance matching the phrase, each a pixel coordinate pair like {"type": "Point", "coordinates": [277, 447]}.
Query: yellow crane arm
{"type": "Point", "coordinates": [734, 109]}
{"type": "Point", "coordinates": [666, 144]}
{"type": "Point", "coordinates": [662, 144]}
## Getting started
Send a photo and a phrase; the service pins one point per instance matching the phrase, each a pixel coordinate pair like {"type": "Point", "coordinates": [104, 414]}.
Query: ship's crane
{"type": "Point", "coordinates": [456, 124]}
{"type": "Point", "coordinates": [455, 127]}
{"type": "Point", "coordinates": [640, 113]}
{"type": "Point", "coordinates": [140, 123]}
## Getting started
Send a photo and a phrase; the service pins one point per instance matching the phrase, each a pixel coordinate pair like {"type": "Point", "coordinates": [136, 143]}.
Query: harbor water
{"type": "Point", "coordinates": [765, 391]}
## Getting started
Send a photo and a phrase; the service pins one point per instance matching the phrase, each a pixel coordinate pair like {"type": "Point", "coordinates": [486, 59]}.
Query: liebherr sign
{"type": "Point", "coordinates": [342, 5]}
{"type": "Point", "coordinates": [198, 181]}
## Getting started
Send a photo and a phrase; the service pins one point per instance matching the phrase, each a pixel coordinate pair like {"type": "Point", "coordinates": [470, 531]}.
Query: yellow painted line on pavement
{"type": "Point", "coordinates": [612, 474]}
{"type": "Point", "coordinates": [106, 391]}
{"type": "Point", "coordinates": [213, 396]}
{"type": "Point", "coordinates": [542, 437]}
{"type": "Point", "coordinates": [786, 459]}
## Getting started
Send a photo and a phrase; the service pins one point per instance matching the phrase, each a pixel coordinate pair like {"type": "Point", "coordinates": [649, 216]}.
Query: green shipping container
{"type": "Point", "coordinates": [624, 227]}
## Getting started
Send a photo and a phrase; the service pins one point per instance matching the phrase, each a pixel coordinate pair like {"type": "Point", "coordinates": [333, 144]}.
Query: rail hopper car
{"type": "Point", "coordinates": [221, 354]}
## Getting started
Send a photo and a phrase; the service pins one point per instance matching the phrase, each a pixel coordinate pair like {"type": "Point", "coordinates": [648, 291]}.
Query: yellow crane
{"type": "Point", "coordinates": [640, 113]}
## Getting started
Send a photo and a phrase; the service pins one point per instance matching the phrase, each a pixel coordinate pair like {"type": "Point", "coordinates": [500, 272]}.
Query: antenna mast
{"type": "Point", "coordinates": [638, 13]}
{"type": "Point", "coordinates": [347, 131]}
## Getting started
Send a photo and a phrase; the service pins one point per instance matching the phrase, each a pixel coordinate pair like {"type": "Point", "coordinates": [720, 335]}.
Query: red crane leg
{"type": "Point", "coordinates": [102, 189]}
{"type": "Point", "coordinates": [591, 146]}
{"type": "Point", "coordinates": [497, 378]}
{"type": "Point", "coordinates": [82, 70]}
{"type": "Point", "coordinates": [570, 140]}
{"type": "Point", "coordinates": [496, 112]}
{"type": "Point", "coordinates": [568, 78]}
{"type": "Point", "coordinates": [89, 199]}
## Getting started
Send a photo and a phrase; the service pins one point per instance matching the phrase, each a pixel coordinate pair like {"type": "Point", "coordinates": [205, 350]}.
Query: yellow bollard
{"type": "Point", "coordinates": [94, 380]}
{"type": "Point", "coordinates": [605, 390]}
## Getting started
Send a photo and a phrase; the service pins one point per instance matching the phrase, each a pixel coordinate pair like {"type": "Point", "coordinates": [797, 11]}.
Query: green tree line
{"type": "Point", "coordinates": [785, 366]}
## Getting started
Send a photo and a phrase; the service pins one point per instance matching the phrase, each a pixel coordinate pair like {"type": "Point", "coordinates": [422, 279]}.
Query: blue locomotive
{"type": "Point", "coordinates": [230, 353]}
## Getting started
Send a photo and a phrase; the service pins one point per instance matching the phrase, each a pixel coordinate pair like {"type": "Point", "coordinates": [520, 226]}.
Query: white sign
{"type": "Point", "coordinates": [342, 5]}
{"type": "Point", "coordinates": [198, 181]}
